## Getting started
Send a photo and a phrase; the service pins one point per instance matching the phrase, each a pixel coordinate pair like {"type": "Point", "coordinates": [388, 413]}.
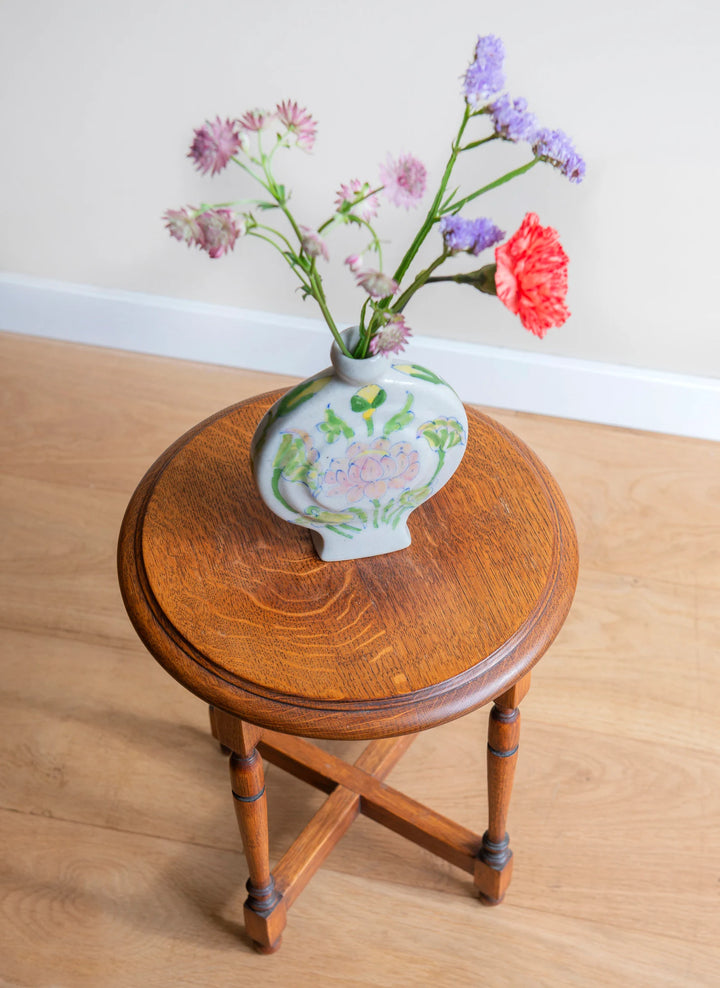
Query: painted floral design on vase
{"type": "Point", "coordinates": [353, 450]}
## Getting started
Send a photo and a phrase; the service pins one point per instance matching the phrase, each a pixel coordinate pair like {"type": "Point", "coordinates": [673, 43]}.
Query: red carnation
{"type": "Point", "coordinates": [531, 277]}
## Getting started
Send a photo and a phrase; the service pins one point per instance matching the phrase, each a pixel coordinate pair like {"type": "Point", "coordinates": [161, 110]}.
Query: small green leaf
{"type": "Point", "coordinates": [400, 419]}
{"type": "Point", "coordinates": [334, 426]}
{"type": "Point", "coordinates": [379, 399]}
{"type": "Point", "coordinates": [300, 394]}
{"type": "Point", "coordinates": [359, 404]}
{"type": "Point", "coordinates": [422, 373]}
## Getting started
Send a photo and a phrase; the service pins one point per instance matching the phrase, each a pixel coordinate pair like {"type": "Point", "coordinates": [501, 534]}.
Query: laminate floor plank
{"type": "Point", "coordinates": [90, 907]}
{"type": "Point", "coordinates": [97, 418]}
{"type": "Point", "coordinates": [644, 504]}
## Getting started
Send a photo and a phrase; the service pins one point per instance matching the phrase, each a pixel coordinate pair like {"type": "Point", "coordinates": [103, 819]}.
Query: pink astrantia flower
{"type": "Point", "coordinates": [313, 244]}
{"type": "Point", "coordinates": [219, 229]}
{"type": "Point", "coordinates": [182, 225]}
{"type": "Point", "coordinates": [531, 277]}
{"type": "Point", "coordinates": [392, 337]}
{"type": "Point", "coordinates": [214, 145]}
{"type": "Point", "coordinates": [298, 122]}
{"type": "Point", "coordinates": [371, 470]}
{"type": "Point", "coordinates": [255, 120]}
{"type": "Point", "coordinates": [356, 190]}
{"type": "Point", "coordinates": [354, 262]}
{"type": "Point", "coordinates": [376, 284]}
{"type": "Point", "coordinates": [404, 180]}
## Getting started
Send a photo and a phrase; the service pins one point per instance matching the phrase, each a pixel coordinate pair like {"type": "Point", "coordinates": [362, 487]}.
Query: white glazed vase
{"type": "Point", "coordinates": [351, 451]}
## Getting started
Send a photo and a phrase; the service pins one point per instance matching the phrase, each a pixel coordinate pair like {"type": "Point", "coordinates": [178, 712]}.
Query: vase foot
{"type": "Point", "coordinates": [332, 546]}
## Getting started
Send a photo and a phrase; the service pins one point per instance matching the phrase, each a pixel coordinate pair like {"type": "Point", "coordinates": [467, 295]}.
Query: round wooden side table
{"type": "Point", "coordinates": [235, 605]}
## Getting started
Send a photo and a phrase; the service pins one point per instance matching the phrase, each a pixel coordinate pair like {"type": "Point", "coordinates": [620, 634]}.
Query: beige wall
{"type": "Point", "coordinates": [99, 99]}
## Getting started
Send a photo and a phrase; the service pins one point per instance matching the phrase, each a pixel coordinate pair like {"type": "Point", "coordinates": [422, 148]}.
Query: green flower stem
{"type": "Point", "coordinates": [421, 279]}
{"type": "Point", "coordinates": [476, 144]}
{"type": "Point", "coordinates": [251, 173]}
{"type": "Point", "coordinates": [291, 260]}
{"type": "Point", "coordinates": [328, 223]}
{"type": "Point", "coordinates": [204, 206]}
{"type": "Point", "coordinates": [457, 206]}
{"type": "Point", "coordinates": [375, 243]}
{"type": "Point", "coordinates": [319, 295]}
{"type": "Point", "coordinates": [441, 461]}
{"type": "Point", "coordinates": [361, 350]}
{"type": "Point", "coordinates": [448, 199]}
{"type": "Point", "coordinates": [432, 214]}
{"type": "Point", "coordinates": [290, 218]}
{"type": "Point", "coordinates": [271, 229]}
{"type": "Point", "coordinates": [275, 483]}
{"type": "Point", "coordinates": [316, 288]}
{"type": "Point", "coordinates": [339, 531]}
{"type": "Point", "coordinates": [362, 320]}
{"type": "Point", "coordinates": [313, 286]}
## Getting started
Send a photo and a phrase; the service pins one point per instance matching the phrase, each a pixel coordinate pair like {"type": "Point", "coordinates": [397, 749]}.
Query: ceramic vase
{"type": "Point", "coordinates": [353, 450]}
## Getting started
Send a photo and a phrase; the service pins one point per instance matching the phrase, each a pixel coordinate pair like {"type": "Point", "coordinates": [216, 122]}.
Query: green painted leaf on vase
{"type": "Point", "coordinates": [422, 373]}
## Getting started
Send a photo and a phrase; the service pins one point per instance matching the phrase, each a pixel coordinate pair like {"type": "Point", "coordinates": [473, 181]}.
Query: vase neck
{"type": "Point", "coordinates": [356, 371]}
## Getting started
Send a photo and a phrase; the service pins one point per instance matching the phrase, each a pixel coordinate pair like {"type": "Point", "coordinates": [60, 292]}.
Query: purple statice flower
{"type": "Point", "coordinates": [214, 145]}
{"type": "Point", "coordinates": [376, 284]}
{"type": "Point", "coordinates": [556, 147]}
{"type": "Point", "coordinates": [403, 180]}
{"type": "Point", "coordinates": [313, 244]}
{"type": "Point", "coordinates": [472, 236]}
{"type": "Point", "coordinates": [392, 337]}
{"type": "Point", "coordinates": [511, 119]}
{"type": "Point", "coordinates": [485, 74]}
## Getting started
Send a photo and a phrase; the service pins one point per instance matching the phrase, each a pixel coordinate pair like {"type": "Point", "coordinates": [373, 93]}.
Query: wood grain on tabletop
{"type": "Point", "coordinates": [254, 623]}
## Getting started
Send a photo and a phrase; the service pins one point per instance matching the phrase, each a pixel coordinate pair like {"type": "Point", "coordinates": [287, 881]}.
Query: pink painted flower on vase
{"type": "Point", "coordinates": [214, 144]}
{"type": "Point", "coordinates": [531, 277]}
{"type": "Point", "coordinates": [371, 470]}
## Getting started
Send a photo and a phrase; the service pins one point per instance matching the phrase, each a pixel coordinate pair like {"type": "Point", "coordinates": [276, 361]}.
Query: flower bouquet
{"type": "Point", "coordinates": [529, 274]}
{"type": "Point", "coordinates": [359, 462]}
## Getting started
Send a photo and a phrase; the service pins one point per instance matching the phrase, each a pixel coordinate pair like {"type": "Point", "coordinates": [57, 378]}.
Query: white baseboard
{"type": "Point", "coordinates": [610, 394]}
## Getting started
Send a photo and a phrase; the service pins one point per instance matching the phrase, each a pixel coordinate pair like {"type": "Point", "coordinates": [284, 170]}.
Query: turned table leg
{"type": "Point", "coordinates": [264, 908]}
{"type": "Point", "coordinates": [494, 866]}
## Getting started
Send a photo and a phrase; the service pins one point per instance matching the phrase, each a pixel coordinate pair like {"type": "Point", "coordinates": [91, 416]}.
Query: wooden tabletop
{"type": "Point", "coordinates": [235, 604]}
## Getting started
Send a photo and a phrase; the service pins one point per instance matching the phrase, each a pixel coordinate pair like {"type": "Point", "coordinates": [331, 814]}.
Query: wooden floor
{"type": "Point", "coordinates": [122, 865]}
